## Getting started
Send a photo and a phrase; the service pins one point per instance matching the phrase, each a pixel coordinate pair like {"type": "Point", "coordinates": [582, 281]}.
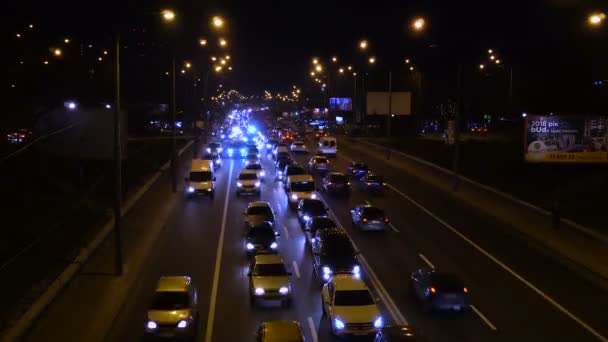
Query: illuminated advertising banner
{"type": "Point", "coordinates": [560, 139]}
{"type": "Point", "coordinates": [341, 103]}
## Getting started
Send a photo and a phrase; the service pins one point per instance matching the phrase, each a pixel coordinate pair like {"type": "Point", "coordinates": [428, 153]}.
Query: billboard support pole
{"type": "Point", "coordinates": [118, 267]}
{"type": "Point", "coordinates": [174, 131]}
{"type": "Point", "coordinates": [456, 166]}
{"type": "Point", "coordinates": [389, 114]}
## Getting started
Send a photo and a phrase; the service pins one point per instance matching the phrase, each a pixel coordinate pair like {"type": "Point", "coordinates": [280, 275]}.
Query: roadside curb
{"type": "Point", "coordinates": [573, 225]}
{"type": "Point", "coordinates": [41, 303]}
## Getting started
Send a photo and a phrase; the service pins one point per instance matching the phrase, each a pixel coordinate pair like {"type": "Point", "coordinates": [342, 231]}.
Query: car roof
{"type": "Point", "coordinates": [348, 282]}
{"type": "Point", "coordinates": [268, 259]}
{"type": "Point", "coordinates": [301, 178]}
{"type": "Point", "coordinates": [173, 283]}
{"type": "Point", "coordinates": [258, 204]}
{"type": "Point", "coordinates": [336, 174]}
{"type": "Point", "coordinates": [277, 331]}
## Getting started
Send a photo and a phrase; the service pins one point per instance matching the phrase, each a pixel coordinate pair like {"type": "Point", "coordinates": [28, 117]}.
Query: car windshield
{"type": "Point", "coordinates": [339, 179]}
{"type": "Point", "coordinates": [253, 167]}
{"type": "Point", "coordinates": [263, 231]}
{"type": "Point", "coordinates": [170, 300]}
{"type": "Point", "coordinates": [360, 166]}
{"type": "Point", "coordinates": [248, 176]}
{"type": "Point", "coordinates": [338, 247]}
{"type": "Point", "coordinates": [322, 223]}
{"type": "Point", "coordinates": [295, 170]}
{"type": "Point", "coordinates": [298, 144]}
{"type": "Point", "coordinates": [302, 186]}
{"type": "Point", "coordinates": [374, 179]}
{"type": "Point", "coordinates": [200, 176]}
{"type": "Point", "coordinates": [447, 283]}
{"type": "Point", "coordinates": [259, 210]}
{"type": "Point", "coordinates": [353, 298]}
{"type": "Point", "coordinates": [372, 213]}
{"type": "Point", "coordinates": [269, 270]}
{"type": "Point", "coordinates": [313, 206]}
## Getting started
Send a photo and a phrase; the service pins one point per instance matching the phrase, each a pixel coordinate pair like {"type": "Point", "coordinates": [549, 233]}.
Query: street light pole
{"type": "Point", "coordinates": [456, 166]}
{"type": "Point", "coordinates": [118, 263]}
{"type": "Point", "coordinates": [174, 131]}
{"type": "Point", "coordinates": [388, 117]}
{"type": "Point", "coordinates": [356, 112]}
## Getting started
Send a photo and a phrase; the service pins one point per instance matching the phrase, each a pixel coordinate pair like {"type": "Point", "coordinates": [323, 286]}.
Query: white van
{"type": "Point", "coordinates": [201, 180]}
{"type": "Point", "coordinates": [300, 187]}
{"type": "Point", "coordinates": [328, 146]}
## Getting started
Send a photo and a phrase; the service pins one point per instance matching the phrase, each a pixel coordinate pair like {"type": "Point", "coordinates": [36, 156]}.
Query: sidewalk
{"type": "Point", "coordinates": [580, 245]}
{"type": "Point", "coordinates": [85, 308]}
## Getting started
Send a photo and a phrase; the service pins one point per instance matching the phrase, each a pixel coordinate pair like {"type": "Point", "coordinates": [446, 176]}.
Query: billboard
{"type": "Point", "coordinates": [561, 139]}
{"type": "Point", "coordinates": [341, 103]}
{"type": "Point", "coordinates": [378, 103]}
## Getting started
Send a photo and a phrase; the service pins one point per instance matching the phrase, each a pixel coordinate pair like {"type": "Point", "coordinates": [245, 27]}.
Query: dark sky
{"type": "Point", "coordinates": [272, 42]}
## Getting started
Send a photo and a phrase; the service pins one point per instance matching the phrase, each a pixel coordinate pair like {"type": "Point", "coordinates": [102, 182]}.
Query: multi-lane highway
{"type": "Point", "coordinates": [517, 294]}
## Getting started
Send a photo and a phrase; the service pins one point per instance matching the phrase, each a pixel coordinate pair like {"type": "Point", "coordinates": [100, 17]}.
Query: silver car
{"type": "Point", "coordinates": [369, 218]}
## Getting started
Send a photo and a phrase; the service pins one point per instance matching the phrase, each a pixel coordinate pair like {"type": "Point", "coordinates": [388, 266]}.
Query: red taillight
{"type": "Point", "coordinates": [369, 183]}
{"type": "Point", "coordinates": [465, 290]}
{"type": "Point", "coordinates": [433, 290]}
{"type": "Point", "coordinates": [386, 219]}
{"type": "Point", "coordinates": [364, 220]}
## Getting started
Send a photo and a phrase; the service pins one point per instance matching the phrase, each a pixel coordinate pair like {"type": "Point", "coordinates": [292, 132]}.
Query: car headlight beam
{"type": "Point", "coordinates": [339, 324]}
{"type": "Point", "coordinates": [274, 245]}
{"type": "Point", "coordinates": [259, 291]}
{"type": "Point", "coordinates": [250, 246]}
{"type": "Point", "coordinates": [313, 196]}
{"type": "Point", "coordinates": [151, 325]}
{"type": "Point", "coordinates": [378, 323]}
{"type": "Point", "coordinates": [182, 324]}
{"type": "Point", "coordinates": [190, 189]}
{"type": "Point", "coordinates": [294, 197]}
{"type": "Point", "coordinates": [284, 290]}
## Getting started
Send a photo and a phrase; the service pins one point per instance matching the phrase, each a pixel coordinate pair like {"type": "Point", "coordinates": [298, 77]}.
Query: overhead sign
{"type": "Point", "coordinates": [341, 103]}
{"type": "Point", "coordinates": [558, 139]}
{"type": "Point", "coordinates": [400, 103]}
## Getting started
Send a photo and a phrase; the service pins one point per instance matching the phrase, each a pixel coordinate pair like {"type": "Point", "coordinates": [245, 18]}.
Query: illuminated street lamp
{"type": "Point", "coordinates": [202, 42]}
{"type": "Point", "coordinates": [363, 44]}
{"type": "Point", "coordinates": [334, 59]}
{"type": "Point", "coordinates": [188, 65]}
{"type": "Point", "coordinates": [18, 35]}
{"type": "Point", "coordinates": [223, 42]}
{"type": "Point", "coordinates": [66, 41]}
{"type": "Point", "coordinates": [418, 24]}
{"type": "Point", "coordinates": [315, 61]}
{"type": "Point", "coordinates": [217, 22]}
{"type": "Point", "coordinates": [227, 57]}
{"type": "Point", "coordinates": [183, 71]}
{"type": "Point", "coordinates": [411, 68]}
{"type": "Point", "coordinates": [57, 52]}
{"type": "Point", "coordinates": [492, 57]}
{"type": "Point", "coordinates": [372, 60]}
{"type": "Point", "coordinates": [350, 68]}
{"type": "Point", "coordinates": [213, 58]}
{"type": "Point", "coordinates": [312, 74]}
{"type": "Point", "coordinates": [218, 68]}
{"type": "Point", "coordinates": [105, 52]}
{"type": "Point", "coordinates": [490, 51]}
{"type": "Point", "coordinates": [46, 62]}
{"type": "Point", "coordinates": [168, 15]}
{"type": "Point", "coordinates": [596, 19]}
{"type": "Point", "coordinates": [223, 62]}
{"type": "Point", "coordinates": [481, 66]}
{"type": "Point", "coordinates": [497, 61]}
{"type": "Point", "coordinates": [407, 61]}
{"type": "Point", "coordinates": [341, 70]}
{"type": "Point", "coordinates": [319, 68]}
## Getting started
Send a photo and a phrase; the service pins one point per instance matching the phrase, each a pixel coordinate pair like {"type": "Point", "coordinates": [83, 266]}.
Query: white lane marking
{"type": "Point", "coordinates": [218, 262]}
{"type": "Point", "coordinates": [286, 232]}
{"type": "Point", "coordinates": [546, 297]}
{"type": "Point", "coordinates": [483, 318]}
{"type": "Point", "coordinates": [393, 228]}
{"type": "Point", "coordinates": [426, 261]}
{"type": "Point", "coordinates": [296, 269]}
{"type": "Point", "coordinates": [386, 298]}
{"type": "Point", "coordinates": [313, 330]}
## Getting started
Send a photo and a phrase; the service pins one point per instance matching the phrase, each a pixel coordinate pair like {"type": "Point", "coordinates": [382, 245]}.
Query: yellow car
{"type": "Point", "coordinates": [280, 331]}
{"type": "Point", "coordinates": [173, 311]}
{"type": "Point", "coordinates": [350, 306]}
{"type": "Point", "coordinates": [269, 280]}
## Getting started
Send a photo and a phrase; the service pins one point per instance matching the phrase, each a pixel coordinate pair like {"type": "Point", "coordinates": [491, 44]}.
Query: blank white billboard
{"type": "Point", "coordinates": [378, 103]}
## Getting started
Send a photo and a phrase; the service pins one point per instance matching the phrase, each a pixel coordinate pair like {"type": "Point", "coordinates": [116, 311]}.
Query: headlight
{"type": "Point", "coordinates": [219, 161]}
{"type": "Point", "coordinates": [239, 184]}
{"type": "Point", "coordinates": [208, 150]}
{"type": "Point", "coordinates": [356, 269]}
{"type": "Point", "coordinates": [243, 152]}
{"type": "Point", "coordinates": [338, 324]}
{"type": "Point", "coordinates": [259, 291]}
{"type": "Point", "coordinates": [378, 323]}
{"type": "Point", "coordinates": [190, 189]}
{"type": "Point", "coordinates": [182, 324]}
{"type": "Point", "coordinates": [306, 217]}
{"type": "Point", "coordinates": [283, 290]}
{"type": "Point", "coordinates": [151, 325]}
{"type": "Point", "coordinates": [220, 150]}
{"type": "Point", "coordinates": [250, 246]}
{"type": "Point", "coordinates": [274, 245]}
{"type": "Point", "coordinates": [313, 196]}
{"type": "Point", "coordinates": [267, 145]}
{"type": "Point", "coordinates": [294, 197]}
{"type": "Point", "coordinates": [262, 174]}
{"type": "Point", "coordinates": [326, 270]}
{"type": "Point", "coordinates": [257, 184]}
{"type": "Point", "coordinates": [279, 173]}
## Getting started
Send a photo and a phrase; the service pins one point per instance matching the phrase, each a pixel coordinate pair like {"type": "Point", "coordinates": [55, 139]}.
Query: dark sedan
{"type": "Point", "coordinates": [309, 208]}
{"type": "Point", "coordinates": [357, 170]}
{"type": "Point", "coordinates": [336, 182]}
{"type": "Point", "coordinates": [368, 217]}
{"type": "Point", "coordinates": [439, 291]}
{"type": "Point", "coordinates": [261, 239]}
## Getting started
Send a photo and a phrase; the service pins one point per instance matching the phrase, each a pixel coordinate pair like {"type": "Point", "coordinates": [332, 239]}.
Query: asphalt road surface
{"type": "Point", "coordinates": [517, 293]}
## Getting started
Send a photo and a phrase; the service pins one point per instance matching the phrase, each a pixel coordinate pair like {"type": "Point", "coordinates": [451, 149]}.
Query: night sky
{"type": "Point", "coordinates": [547, 42]}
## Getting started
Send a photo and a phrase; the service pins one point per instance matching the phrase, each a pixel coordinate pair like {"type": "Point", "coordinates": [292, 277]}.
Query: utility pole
{"type": "Point", "coordinates": [355, 111]}
{"type": "Point", "coordinates": [388, 116]}
{"type": "Point", "coordinates": [459, 101]}
{"type": "Point", "coordinates": [174, 131]}
{"type": "Point", "coordinates": [118, 263]}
